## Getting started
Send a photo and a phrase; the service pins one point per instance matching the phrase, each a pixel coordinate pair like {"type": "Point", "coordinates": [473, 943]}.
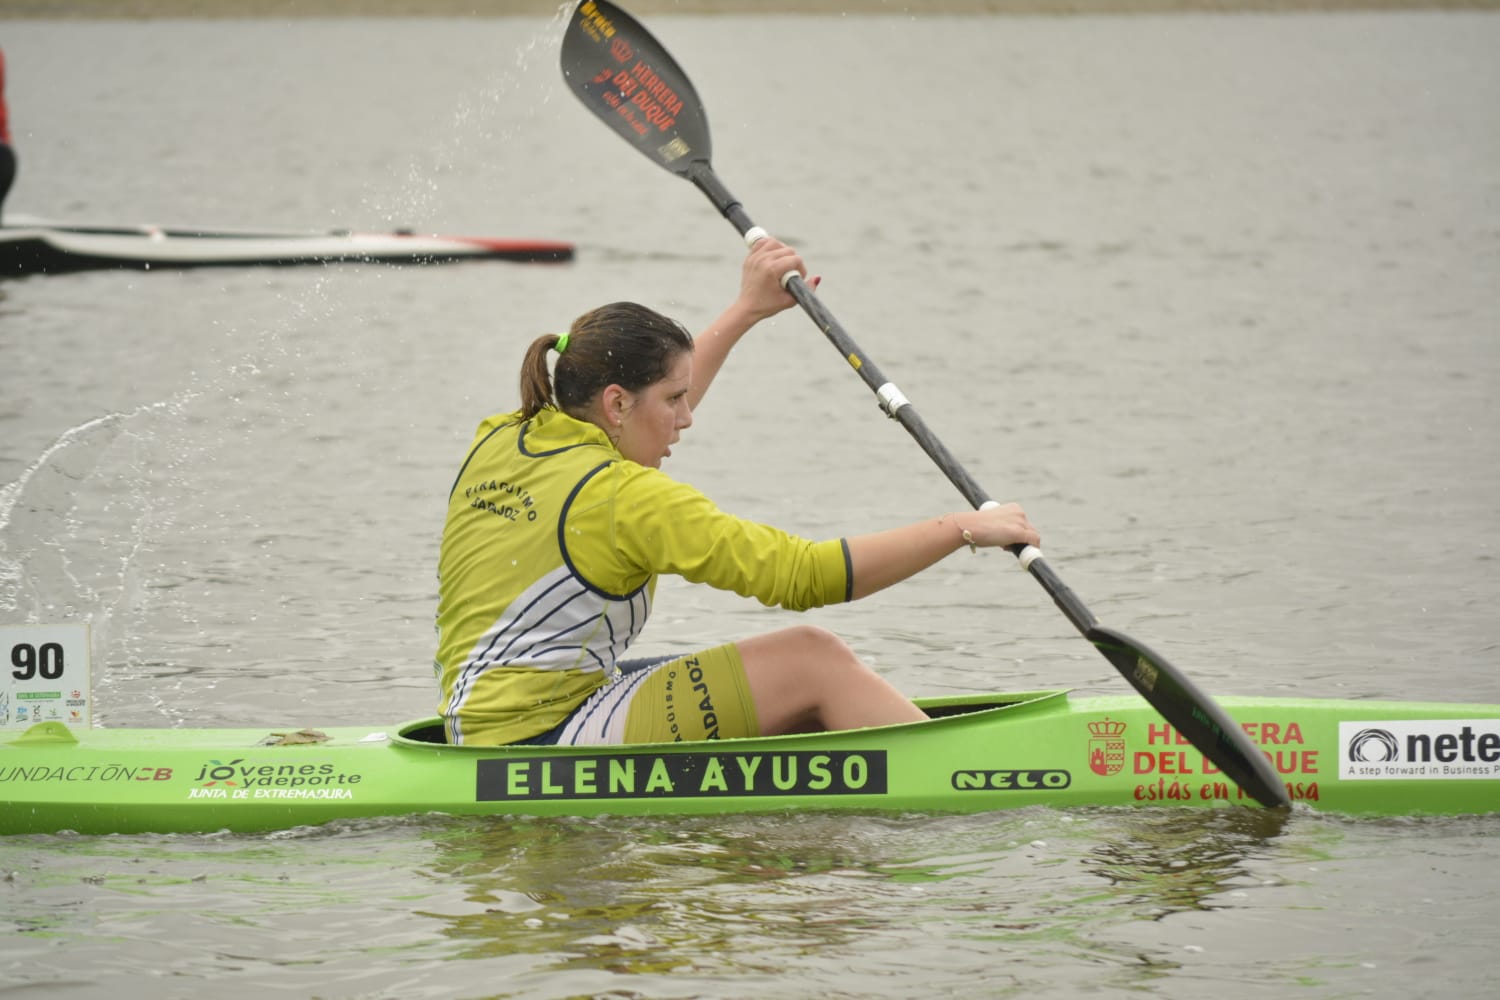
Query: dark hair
{"type": "Point", "coordinates": [620, 344]}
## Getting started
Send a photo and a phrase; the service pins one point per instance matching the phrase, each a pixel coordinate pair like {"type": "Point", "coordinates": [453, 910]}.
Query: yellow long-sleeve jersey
{"type": "Point", "coordinates": [549, 559]}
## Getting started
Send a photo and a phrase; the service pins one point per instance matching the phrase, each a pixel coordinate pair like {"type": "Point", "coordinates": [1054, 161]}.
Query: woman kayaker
{"type": "Point", "coordinates": [560, 521]}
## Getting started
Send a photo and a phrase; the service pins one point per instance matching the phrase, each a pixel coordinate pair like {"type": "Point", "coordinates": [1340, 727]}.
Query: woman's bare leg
{"type": "Point", "coordinates": [806, 678]}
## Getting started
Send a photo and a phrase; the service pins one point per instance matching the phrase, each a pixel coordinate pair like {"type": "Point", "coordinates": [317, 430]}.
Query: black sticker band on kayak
{"type": "Point", "coordinates": [681, 775]}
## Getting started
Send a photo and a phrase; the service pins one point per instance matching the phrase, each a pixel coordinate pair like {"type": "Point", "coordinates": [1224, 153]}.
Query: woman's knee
{"type": "Point", "coordinates": [800, 662]}
{"type": "Point", "coordinates": [806, 678]}
{"type": "Point", "coordinates": [814, 640]}
{"type": "Point", "coordinates": [817, 662]}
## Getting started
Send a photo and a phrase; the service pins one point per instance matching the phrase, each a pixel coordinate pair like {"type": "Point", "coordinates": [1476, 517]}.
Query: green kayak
{"type": "Point", "coordinates": [979, 752]}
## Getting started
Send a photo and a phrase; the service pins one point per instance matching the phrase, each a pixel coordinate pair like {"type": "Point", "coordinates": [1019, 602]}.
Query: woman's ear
{"type": "Point", "coordinates": [615, 402]}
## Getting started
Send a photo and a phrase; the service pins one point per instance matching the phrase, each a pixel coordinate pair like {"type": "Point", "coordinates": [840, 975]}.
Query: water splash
{"type": "Point", "coordinates": [471, 124]}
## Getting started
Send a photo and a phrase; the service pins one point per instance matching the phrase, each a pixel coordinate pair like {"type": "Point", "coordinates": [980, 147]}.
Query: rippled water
{"type": "Point", "coordinates": [1213, 295]}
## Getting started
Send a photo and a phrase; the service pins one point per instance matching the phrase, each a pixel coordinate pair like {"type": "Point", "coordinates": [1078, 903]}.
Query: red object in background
{"type": "Point", "coordinates": [4, 117]}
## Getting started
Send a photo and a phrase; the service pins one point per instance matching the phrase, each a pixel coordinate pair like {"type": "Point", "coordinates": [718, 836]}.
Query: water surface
{"type": "Point", "coordinates": [1214, 296]}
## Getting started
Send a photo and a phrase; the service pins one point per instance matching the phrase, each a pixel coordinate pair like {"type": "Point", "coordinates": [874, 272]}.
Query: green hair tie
{"type": "Point", "coordinates": [562, 343]}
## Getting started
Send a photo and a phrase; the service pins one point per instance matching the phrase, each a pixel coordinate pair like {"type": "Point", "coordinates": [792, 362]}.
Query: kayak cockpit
{"type": "Point", "coordinates": [429, 733]}
{"type": "Point", "coordinates": [948, 706]}
{"type": "Point", "coordinates": [424, 732]}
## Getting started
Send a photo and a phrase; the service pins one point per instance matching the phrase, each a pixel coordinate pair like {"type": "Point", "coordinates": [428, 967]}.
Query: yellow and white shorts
{"type": "Point", "coordinates": [700, 696]}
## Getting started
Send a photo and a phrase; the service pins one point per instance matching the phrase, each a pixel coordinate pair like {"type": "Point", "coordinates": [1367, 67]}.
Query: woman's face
{"type": "Point", "coordinates": [651, 421]}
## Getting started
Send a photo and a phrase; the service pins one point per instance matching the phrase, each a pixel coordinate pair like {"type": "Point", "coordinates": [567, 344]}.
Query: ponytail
{"type": "Point", "coordinates": [536, 383]}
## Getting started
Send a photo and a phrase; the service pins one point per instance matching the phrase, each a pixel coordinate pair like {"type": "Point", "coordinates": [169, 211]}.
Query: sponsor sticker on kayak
{"type": "Point", "coordinates": [681, 775]}
{"type": "Point", "coordinates": [1170, 769]}
{"type": "Point", "coordinates": [1418, 750]}
{"type": "Point", "coordinates": [239, 779]}
{"type": "Point", "coordinates": [1107, 747]}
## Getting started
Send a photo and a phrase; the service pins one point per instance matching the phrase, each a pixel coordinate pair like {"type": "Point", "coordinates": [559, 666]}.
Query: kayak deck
{"type": "Point", "coordinates": [979, 753]}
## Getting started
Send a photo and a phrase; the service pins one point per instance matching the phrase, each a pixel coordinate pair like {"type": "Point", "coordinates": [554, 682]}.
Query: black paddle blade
{"type": "Point", "coordinates": [1196, 716]}
{"type": "Point", "coordinates": [624, 76]}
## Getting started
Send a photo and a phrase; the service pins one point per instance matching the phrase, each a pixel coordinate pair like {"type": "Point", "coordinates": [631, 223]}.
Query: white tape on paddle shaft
{"type": "Point", "coordinates": [754, 235]}
{"type": "Point", "coordinates": [891, 398]}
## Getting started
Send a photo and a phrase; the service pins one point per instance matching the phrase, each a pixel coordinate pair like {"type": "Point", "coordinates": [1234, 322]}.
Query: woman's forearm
{"type": "Point", "coordinates": [886, 557]}
{"type": "Point", "coordinates": [712, 347]}
{"type": "Point", "coordinates": [761, 295]}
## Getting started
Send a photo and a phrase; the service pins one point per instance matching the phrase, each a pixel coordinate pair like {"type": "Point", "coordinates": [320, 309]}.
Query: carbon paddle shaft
{"type": "Point", "coordinates": [892, 401]}
{"type": "Point", "coordinates": [1180, 702]}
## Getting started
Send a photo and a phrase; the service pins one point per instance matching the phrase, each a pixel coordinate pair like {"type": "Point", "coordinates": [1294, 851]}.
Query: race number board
{"type": "Point", "coordinates": [46, 676]}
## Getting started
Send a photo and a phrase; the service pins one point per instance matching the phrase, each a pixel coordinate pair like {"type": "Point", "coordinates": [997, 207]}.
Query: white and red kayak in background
{"type": "Point", "coordinates": [30, 246]}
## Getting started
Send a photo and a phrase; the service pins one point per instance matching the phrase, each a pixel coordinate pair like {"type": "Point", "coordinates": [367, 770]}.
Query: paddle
{"type": "Point", "coordinates": [624, 76]}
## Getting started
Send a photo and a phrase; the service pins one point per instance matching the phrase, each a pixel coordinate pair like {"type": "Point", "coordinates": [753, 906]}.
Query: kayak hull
{"type": "Point", "coordinates": [56, 249]}
{"type": "Point", "coordinates": [980, 753]}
